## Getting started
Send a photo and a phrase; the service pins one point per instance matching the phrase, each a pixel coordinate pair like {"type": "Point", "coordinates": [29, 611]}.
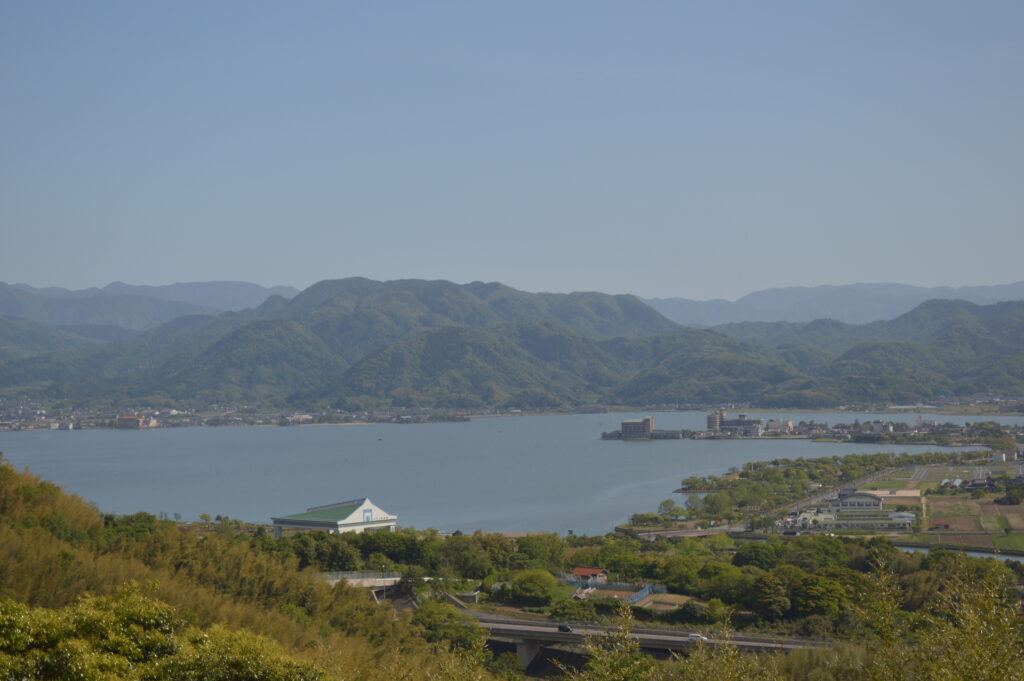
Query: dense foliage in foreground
{"type": "Point", "coordinates": [971, 631]}
{"type": "Point", "coordinates": [208, 604]}
{"type": "Point", "coordinates": [85, 596]}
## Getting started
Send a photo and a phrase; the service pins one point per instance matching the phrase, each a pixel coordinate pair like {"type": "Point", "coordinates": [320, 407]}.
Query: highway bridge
{"type": "Point", "coordinates": [530, 637]}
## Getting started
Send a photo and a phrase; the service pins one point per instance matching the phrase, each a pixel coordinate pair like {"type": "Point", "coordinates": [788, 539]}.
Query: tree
{"type": "Point", "coordinates": [466, 556]}
{"type": "Point", "coordinates": [129, 636]}
{"type": "Point", "coordinates": [615, 656]}
{"type": "Point", "coordinates": [443, 622]}
{"type": "Point", "coordinates": [970, 631]}
{"type": "Point", "coordinates": [680, 574]}
{"type": "Point", "coordinates": [532, 587]}
{"type": "Point", "coordinates": [645, 519]}
{"type": "Point", "coordinates": [574, 610]}
{"type": "Point", "coordinates": [545, 550]}
{"type": "Point", "coordinates": [819, 596]}
{"type": "Point", "coordinates": [768, 597]}
{"type": "Point", "coordinates": [1012, 497]}
{"type": "Point", "coordinates": [761, 554]}
{"type": "Point", "coordinates": [335, 554]}
{"type": "Point", "coordinates": [669, 509]}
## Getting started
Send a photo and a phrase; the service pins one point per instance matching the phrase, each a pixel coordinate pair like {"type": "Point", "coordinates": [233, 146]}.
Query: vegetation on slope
{"type": "Point", "coordinates": [360, 343]}
{"type": "Point", "coordinates": [208, 604]}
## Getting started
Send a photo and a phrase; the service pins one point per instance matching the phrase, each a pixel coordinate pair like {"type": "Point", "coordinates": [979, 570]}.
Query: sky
{"type": "Point", "coordinates": [694, 149]}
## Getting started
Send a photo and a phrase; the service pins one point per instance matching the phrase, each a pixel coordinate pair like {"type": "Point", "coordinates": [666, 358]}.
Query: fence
{"type": "Point", "coordinates": [360, 574]}
{"type": "Point", "coordinates": [643, 593]}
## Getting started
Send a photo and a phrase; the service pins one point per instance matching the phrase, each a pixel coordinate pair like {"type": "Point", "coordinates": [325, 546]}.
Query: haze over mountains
{"type": "Point", "coordinates": [851, 303]}
{"type": "Point", "coordinates": [220, 295]}
{"type": "Point", "coordinates": [356, 343]}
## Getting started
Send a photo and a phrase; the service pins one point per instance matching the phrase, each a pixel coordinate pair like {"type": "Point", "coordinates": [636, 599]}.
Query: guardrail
{"type": "Point", "coordinates": [360, 574]}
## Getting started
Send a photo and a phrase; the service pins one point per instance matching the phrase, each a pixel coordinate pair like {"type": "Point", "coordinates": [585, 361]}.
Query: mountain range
{"type": "Point", "coordinates": [357, 343]}
{"type": "Point", "coordinates": [852, 303]}
{"type": "Point", "coordinates": [217, 295]}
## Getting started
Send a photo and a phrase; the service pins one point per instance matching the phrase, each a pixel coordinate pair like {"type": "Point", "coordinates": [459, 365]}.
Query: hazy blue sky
{"type": "Point", "coordinates": [698, 149]}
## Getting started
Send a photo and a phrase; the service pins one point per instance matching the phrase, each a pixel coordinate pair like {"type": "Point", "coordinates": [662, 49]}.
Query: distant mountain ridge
{"type": "Point", "coordinates": [852, 303]}
{"type": "Point", "coordinates": [357, 343]}
{"type": "Point", "coordinates": [300, 344]}
{"type": "Point", "coordinates": [930, 322]}
{"type": "Point", "coordinates": [217, 295]}
{"type": "Point", "coordinates": [99, 309]}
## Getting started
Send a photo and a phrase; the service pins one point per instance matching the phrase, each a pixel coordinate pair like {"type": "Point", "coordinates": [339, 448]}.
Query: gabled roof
{"type": "Point", "coordinates": [584, 571]}
{"type": "Point", "coordinates": [329, 513]}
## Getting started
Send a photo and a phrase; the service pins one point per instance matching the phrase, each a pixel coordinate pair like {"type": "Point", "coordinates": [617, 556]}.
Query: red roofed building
{"type": "Point", "coordinates": [591, 575]}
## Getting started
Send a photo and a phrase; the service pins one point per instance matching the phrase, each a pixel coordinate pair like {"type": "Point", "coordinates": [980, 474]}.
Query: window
{"type": "Point", "coordinates": [367, 515]}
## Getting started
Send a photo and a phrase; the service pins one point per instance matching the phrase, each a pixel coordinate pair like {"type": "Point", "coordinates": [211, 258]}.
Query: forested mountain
{"type": "Point", "coordinates": [303, 345]}
{"type": "Point", "coordinates": [21, 338]}
{"type": "Point", "coordinates": [852, 303]}
{"type": "Point", "coordinates": [953, 323]}
{"type": "Point", "coordinates": [357, 343]}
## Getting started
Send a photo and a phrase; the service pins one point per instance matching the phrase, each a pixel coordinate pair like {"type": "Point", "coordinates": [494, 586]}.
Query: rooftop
{"type": "Point", "coordinates": [328, 513]}
{"type": "Point", "coordinates": [585, 571]}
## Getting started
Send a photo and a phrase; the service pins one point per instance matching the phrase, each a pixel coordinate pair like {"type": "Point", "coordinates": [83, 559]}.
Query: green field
{"type": "Point", "coordinates": [562, 592]}
{"type": "Point", "coordinates": [1009, 541]}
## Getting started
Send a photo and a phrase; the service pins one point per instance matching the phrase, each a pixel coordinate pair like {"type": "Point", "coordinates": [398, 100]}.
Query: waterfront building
{"type": "Point", "coordinates": [641, 429]}
{"type": "Point", "coordinates": [779, 426]}
{"type": "Point", "coordinates": [715, 419]}
{"type": "Point", "coordinates": [354, 515]}
{"type": "Point", "coordinates": [743, 426]}
{"type": "Point", "coordinates": [131, 422]}
{"type": "Point", "coordinates": [638, 429]}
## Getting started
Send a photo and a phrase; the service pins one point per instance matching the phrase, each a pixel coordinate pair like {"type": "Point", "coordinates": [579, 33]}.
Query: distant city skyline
{"type": "Point", "coordinates": [696, 150]}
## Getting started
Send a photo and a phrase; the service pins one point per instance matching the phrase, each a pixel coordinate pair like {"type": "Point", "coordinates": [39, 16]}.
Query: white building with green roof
{"type": "Point", "coordinates": [355, 515]}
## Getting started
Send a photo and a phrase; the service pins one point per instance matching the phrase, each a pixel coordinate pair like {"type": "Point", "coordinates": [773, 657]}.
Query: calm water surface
{"type": "Point", "coordinates": [524, 473]}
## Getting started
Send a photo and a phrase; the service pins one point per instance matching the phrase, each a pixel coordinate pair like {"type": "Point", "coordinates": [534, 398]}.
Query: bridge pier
{"type": "Point", "coordinates": [526, 651]}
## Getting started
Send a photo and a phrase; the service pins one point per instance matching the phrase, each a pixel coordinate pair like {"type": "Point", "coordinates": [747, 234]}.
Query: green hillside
{"type": "Point", "coordinates": [528, 365]}
{"type": "Point", "coordinates": [359, 343]}
{"type": "Point", "coordinates": [970, 326]}
{"type": "Point", "coordinates": [21, 338]}
{"type": "Point", "coordinates": [333, 324]}
{"type": "Point", "coordinates": [90, 596]}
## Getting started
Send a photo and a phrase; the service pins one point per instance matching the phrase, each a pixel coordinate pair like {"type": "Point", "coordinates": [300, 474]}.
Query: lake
{"type": "Point", "coordinates": [515, 473]}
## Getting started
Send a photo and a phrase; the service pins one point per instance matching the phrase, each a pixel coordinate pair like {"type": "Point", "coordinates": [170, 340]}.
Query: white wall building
{"type": "Point", "coordinates": [354, 515]}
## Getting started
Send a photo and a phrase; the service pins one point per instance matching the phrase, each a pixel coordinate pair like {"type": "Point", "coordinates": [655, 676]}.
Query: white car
{"type": "Point", "coordinates": [698, 637]}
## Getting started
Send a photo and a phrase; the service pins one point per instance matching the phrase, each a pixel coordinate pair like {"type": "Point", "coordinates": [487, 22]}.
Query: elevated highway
{"type": "Point", "coordinates": [530, 637]}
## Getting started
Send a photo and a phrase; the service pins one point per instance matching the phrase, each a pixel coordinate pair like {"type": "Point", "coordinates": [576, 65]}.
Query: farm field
{"type": "Point", "coordinates": [970, 520]}
{"type": "Point", "coordinates": [977, 541]}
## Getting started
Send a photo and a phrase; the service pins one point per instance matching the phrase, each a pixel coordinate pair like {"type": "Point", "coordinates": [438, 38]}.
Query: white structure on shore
{"type": "Point", "coordinates": [354, 515]}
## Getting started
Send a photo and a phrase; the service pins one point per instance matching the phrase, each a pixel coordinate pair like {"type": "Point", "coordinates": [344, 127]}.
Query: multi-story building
{"type": "Point", "coordinates": [638, 429]}
{"type": "Point", "coordinates": [778, 426]}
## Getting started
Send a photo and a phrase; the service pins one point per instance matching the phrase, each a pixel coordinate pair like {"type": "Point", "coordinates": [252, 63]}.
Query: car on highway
{"type": "Point", "coordinates": [565, 628]}
{"type": "Point", "coordinates": [698, 637]}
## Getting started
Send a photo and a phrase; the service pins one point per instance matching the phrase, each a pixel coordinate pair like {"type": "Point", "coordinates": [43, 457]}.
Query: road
{"type": "Point", "coordinates": [825, 494]}
{"type": "Point", "coordinates": [919, 473]}
{"type": "Point", "coordinates": [647, 638]}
